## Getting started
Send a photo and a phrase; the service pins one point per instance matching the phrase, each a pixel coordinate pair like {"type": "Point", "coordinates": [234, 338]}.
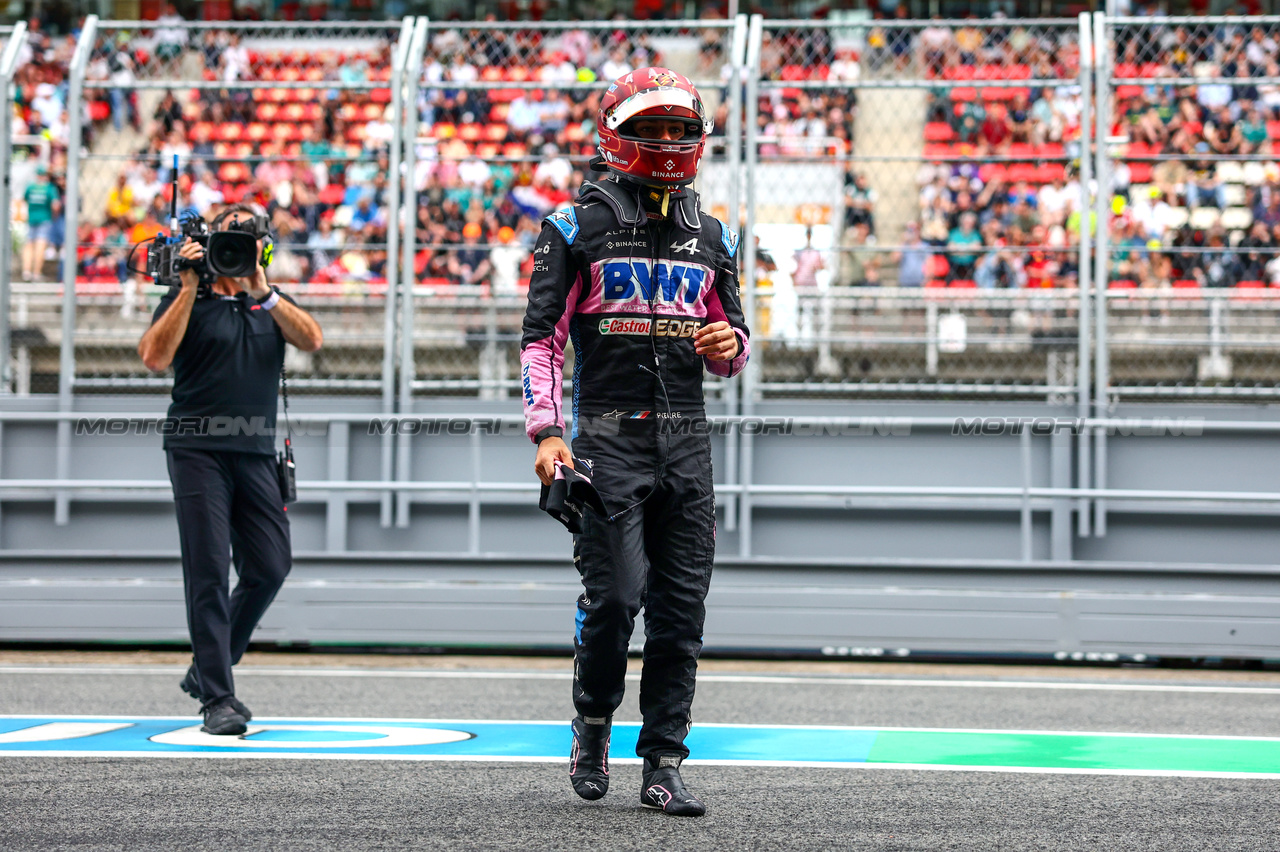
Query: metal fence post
{"type": "Point", "coordinates": [8, 61]}
{"type": "Point", "coordinates": [413, 75]}
{"type": "Point", "coordinates": [393, 246]}
{"type": "Point", "coordinates": [733, 156]}
{"type": "Point", "coordinates": [67, 349]}
{"type": "Point", "coordinates": [1085, 294]}
{"type": "Point", "coordinates": [749, 291]}
{"type": "Point", "coordinates": [1103, 48]}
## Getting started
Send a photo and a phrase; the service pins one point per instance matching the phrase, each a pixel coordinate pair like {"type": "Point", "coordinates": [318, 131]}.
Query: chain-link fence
{"type": "Point", "coordinates": [12, 39]}
{"type": "Point", "coordinates": [916, 196]}
{"type": "Point", "coordinates": [916, 210]}
{"type": "Point", "coordinates": [1193, 230]}
{"type": "Point", "coordinates": [507, 127]}
{"type": "Point", "coordinates": [299, 121]}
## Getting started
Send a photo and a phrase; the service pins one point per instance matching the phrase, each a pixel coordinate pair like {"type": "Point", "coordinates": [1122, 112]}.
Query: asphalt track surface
{"type": "Point", "coordinates": [190, 803]}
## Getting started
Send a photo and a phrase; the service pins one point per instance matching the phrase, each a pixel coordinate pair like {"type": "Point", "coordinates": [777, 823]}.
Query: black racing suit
{"type": "Point", "coordinates": [638, 431]}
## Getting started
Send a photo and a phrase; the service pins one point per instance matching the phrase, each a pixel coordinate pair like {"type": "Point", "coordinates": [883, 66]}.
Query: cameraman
{"type": "Point", "coordinates": [226, 344]}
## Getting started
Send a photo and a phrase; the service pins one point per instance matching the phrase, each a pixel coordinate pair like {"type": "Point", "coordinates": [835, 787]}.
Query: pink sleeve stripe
{"type": "Point", "coordinates": [542, 372]}
{"type": "Point", "coordinates": [727, 369]}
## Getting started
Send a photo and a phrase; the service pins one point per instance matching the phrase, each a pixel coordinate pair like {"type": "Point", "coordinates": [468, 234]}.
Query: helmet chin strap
{"type": "Point", "coordinates": [661, 195]}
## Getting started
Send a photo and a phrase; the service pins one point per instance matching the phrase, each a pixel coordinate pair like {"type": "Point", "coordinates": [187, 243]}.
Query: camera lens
{"type": "Point", "coordinates": [233, 254]}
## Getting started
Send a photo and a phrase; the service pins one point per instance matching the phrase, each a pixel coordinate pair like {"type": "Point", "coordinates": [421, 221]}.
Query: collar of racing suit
{"type": "Point", "coordinates": [632, 203]}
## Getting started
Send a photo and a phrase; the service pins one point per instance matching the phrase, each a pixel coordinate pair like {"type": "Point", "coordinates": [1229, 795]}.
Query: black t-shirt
{"type": "Point", "coordinates": [226, 375]}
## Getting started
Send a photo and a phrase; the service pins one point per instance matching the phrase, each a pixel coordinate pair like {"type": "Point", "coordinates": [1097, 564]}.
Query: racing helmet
{"type": "Point", "coordinates": [652, 93]}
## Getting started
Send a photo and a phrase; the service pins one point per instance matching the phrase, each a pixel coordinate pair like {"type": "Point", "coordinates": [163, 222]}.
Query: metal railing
{"type": "Point", "coordinates": [1027, 498]}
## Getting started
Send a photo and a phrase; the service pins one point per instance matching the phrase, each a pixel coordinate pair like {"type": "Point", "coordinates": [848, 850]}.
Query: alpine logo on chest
{"type": "Point", "coordinates": [633, 279]}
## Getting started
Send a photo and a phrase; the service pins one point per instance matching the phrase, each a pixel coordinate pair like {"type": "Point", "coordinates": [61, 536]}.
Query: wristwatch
{"type": "Point", "coordinates": [271, 300]}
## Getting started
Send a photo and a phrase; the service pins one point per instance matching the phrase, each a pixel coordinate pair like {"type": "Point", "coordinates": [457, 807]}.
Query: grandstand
{"type": "Point", "coordinates": [972, 183]}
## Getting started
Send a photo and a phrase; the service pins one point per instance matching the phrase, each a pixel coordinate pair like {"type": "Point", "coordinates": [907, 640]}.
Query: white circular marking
{"type": "Point", "coordinates": [378, 736]}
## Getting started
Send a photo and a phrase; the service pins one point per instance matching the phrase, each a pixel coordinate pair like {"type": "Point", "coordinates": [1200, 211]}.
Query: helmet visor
{"type": "Point", "coordinates": [664, 99]}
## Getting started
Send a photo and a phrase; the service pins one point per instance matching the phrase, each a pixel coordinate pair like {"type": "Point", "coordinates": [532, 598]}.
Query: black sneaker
{"type": "Point", "coordinates": [664, 790]}
{"type": "Point", "coordinates": [223, 719]}
{"type": "Point", "coordinates": [589, 760]}
{"type": "Point", "coordinates": [191, 686]}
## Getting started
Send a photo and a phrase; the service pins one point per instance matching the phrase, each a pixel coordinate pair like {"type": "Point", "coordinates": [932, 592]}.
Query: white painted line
{"type": "Point", "coordinates": [709, 677]}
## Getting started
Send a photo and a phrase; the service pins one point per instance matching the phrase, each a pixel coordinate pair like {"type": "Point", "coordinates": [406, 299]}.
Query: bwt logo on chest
{"type": "Point", "coordinates": [633, 280]}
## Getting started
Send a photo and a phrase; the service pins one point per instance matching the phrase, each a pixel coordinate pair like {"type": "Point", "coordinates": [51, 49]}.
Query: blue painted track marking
{"type": "Point", "coordinates": [742, 745]}
{"type": "Point", "coordinates": [425, 739]}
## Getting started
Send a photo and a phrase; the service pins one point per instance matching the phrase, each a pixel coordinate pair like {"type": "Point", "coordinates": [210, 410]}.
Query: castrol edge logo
{"type": "Point", "coordinates": [662, 326]}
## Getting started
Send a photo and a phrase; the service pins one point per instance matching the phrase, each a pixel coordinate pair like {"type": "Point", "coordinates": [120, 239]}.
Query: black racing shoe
{"type": "Point", "coordinates": [191, 686]}
{"type": "Point", "coordinates": [664, 790]}
{"type": "Point", "coordinates": [224, 720]}
{"type": "Point", "coordinates": [589, 760]}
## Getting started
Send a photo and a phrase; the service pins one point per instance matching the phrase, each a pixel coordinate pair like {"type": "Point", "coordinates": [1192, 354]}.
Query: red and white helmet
{"type": "Point", "coordinates": [652, 93]}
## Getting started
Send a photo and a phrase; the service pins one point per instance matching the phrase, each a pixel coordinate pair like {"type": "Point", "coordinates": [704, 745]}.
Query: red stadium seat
{"type": "Point", "coordinates": [498, 132]}
{"type": "Point", "coordinates": [1049, 172]}
{"type": "Point", "coordinates": [1140, 172]}
{"type": "Point", "coordinates": [233, 172]}
{"type": "Point", "coordinates": [963, 284]}
{"type": "Point", "coordinates": [488, 150]}
{"type": "Point", "coordinates": [964, 93]}
{"type": "Point", "coordinates": [988, 172]}
{"type": "Point", "coordinates": [267, 111]}
{"type": "Point", "coordinates": [937, 266]}
{"type": "Point", "coordinates": [1024, 172]}
{"type": "Point", "coordinates": [332, 194]}
{"type": "Point", "coordinates": [1122, 284]}
{"type": "Point", "coordinates": [1022, 151]}
{"type": "Point", "coordinates": [1186, 284]}
{"type": "Point", "coordinates": [938, 131]}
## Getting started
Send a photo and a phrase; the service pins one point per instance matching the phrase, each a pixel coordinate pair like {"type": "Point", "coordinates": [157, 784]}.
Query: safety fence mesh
{"type": "Point", "coordinates": [507, 128]}
{"type": "Point", "coordinates": [1194, 226]}
{"type": "Point", "coordinates": [295, 122]}
{"type": "Point", "coordinates": [908, 177]}
{"type": "Point", "coordinates": [911, 190]}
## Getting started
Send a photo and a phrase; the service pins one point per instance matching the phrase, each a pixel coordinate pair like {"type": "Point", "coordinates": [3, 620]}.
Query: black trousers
{"type": "Point", "coordinates": [229, 511]}
{"type": "Point", "coordinates": [658, 555]}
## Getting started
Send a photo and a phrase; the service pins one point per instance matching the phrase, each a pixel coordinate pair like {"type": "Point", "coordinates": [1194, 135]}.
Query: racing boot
{"type": "Point", "coordinates": [191, 686]}
{"type": "Point", "coordinates": [589, 760]}
{"type": "Point", "coordinates": [664, 790]}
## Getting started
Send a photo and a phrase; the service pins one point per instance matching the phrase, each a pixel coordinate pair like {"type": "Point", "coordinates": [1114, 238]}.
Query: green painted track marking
{"type": "Point", "coordinates": [1077, 751]}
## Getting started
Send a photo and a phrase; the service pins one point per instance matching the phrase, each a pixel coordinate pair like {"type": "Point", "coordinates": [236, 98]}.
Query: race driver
{"type": "Point", "coordinates": [645, 285]}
